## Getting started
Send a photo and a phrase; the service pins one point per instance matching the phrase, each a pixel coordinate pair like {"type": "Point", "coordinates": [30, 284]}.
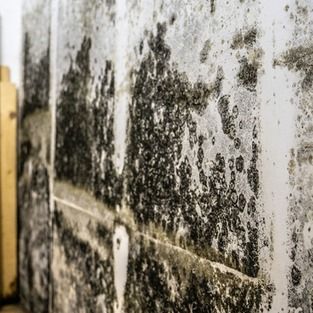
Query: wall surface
{"type": "Point", "coordinates": [165, 156]}
{"type": "Point", "coordinates": [10, 37]}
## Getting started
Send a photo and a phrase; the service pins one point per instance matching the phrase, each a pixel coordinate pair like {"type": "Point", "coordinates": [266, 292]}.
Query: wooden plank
{"type": "Point", "coordinates": [8, 220]}
{"type": "Point", "coordinates": [4, 74]}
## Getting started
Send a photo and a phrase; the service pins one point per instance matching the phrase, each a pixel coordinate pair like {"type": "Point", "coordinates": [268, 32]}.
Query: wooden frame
{"type": "Point", "coordinates": [8, 211]}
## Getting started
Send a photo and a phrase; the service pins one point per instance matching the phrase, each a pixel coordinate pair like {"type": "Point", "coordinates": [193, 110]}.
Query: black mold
{"type": "Point", "coordinates": [85, 129]}
{"type": "Point", "coordinates": [173, 19]}
{"type": "Point", "coordinates": [73, 159]}
{"type": "Point", "coordinates": [228, 124]}
{"type": "Point", "coordinates": [253, 172]}
{"type": "Point", "coordinates": [36, 80]}
{"type": "Point", "coordinates": [205, 51]}
{"type": "Point", "coordinates": [151, 279]}
{"type": "Point", "coordinates": [296, 275]}
{"type": "Point", "coordinates": [33, 195]}
{"type": "Point", "coordinates": [212, 6]}
{"type": "Point", "coordinates": [248, 74]}
{"type": "Point", "coordinates": [160, 182]}
{"type": "Point", "coordinates": [240, 164]}
{"type": "Point", "coordinates": [154, 147]}
{"type": "Point", "coordinates": [244, 39]}
{"type": "Point", "coordinates": [91, 275]}
{"type": "Point", "coordinates": [299, 59]}
{"type": "Point", "coordinates": [34, 207]}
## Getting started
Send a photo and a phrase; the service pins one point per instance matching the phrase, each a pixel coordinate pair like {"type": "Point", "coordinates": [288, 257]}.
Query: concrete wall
{"type": "Point", "coordinates": [166, 160]}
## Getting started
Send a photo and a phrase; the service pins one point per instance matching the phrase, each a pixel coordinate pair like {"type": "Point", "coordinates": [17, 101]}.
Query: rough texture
{"type": "Point", "coordinates": [85, 129]}
{"type": "Point", "coordinates": [298, 59]}
{"type": "Point", "coordinates": [83, 257]}
{"type": "Point", "coordinates": [164, 279]}
{"type": "Point", "coordinates": [181, 154]}
{"type": "Point", "coordinates": [180, 177]}
{"type": "Point", "coordinates": [85, 105]}
{"type": "Point", "coordinates": [34, 159]}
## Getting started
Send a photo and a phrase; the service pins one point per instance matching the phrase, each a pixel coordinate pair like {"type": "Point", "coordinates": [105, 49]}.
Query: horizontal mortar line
{"type": "Point", "coordinates": [76, 207]}
{"type": "Point", "coordinates": [216, 265]}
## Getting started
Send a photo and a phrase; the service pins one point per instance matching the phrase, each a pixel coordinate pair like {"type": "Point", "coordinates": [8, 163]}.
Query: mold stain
{"type": "Point", "coordinates": [227, 118]}
{"type": "Point", "coordinates": [164, 281]}
{"type": "Point", "coordinates": [248, 73]}
{"type": "Point", "coordinates": [212, 6]}
{"type": "Point", "coordinates": [245, 39]}
{"type": "Point", "coordinates": [160, 178]}
{"type": "Point", "coordinates": [85, 267]}
{"type": "Point", "coordinates": [33, 175]}
{"type": "Point", "coordinates": [205, 51]}
{"type": "Point", "coordinates": [34, 207]}
{"type": "Point", "coordinates": [73, 154]}
{"type": "Point", "coordinates": [253, 172]}
{"type": "Point", "coordinates": [84, 131]}
{"type": "Point", "coordinates": [36, 79]}
{"type": "Point", "coordinates": [299, 59]}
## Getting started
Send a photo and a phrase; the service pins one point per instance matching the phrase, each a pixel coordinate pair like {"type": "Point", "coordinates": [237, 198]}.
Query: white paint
{"type": "Point", "coordinates": [120, 252]}
{"type": "Point", "coordinates": [277, 132]}
{"type": "Point", "coordinates": [11, 37]}
{"type": "Point", "coordinates": [121, 80]}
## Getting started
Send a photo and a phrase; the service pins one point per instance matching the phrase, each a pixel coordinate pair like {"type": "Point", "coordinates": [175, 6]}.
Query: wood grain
{"type": "Point", "coordinates": [8, 218]}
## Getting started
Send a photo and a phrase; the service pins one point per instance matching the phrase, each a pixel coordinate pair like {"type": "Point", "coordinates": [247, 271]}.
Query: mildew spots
{"type": "Point", "coordinates": [84, 131]}
{"type": "Point", "coordinates": [36, 79]}
{"type": "Point", "coordinates": [299, 59]}
{"type": "Point", "coordinates": [245, 39]}
{"type": "Point", "coordinates": [240, 164]}
{"type": "Point", "coordinates": [212, 6]}
{"type": "Point", "coordinates": [205, 51]}
{"type": "Point", "coordinates": [248, 73]}
{"type": "Point", "coordinates": [162, 280]}
{"type": "Point", "coordinates": [87, 274]}
{"type": "Point", "coordinates": [252, 172]}
{"type": "Point", "coordinates": [191, 175]}
{"type": "Point", "coordinates": [33, 174]}
{"type": "Point", "coordinates": [227, 118]}
{"type": "Point", "coordinates": [34, 244]}
{"type": "Point", "coordinates": [161, 175]}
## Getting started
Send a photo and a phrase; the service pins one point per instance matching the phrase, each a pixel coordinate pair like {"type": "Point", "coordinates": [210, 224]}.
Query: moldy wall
{"type": "Point", "coordinates": [165, 156]}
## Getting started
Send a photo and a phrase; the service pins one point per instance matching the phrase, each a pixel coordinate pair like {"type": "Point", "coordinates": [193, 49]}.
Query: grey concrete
{"type": "Point", "coordinates": [180, 155]}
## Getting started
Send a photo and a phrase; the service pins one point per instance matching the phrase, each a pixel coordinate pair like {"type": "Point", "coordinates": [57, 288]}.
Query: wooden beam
{"type": "Point", "coordinates": [8, 211]}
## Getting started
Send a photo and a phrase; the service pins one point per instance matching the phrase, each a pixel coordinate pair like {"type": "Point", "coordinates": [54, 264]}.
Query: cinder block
{"type": "Point", "coordinates": [82, 266]}
{"type": "Point", "coordinates": [193, 152]}
{"type": "Point", "coordinates": [163, 278]}
{"type": "Point", "coordinates": [105, 265]}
